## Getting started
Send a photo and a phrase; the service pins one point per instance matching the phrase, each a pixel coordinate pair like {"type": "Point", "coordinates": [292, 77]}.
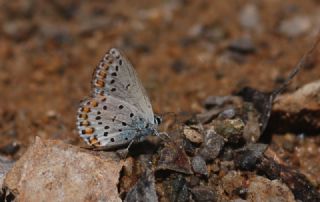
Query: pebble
{"type": "Point", "coordinates": [199, 165]}
{"type": "Point", "coordinates": [51, 114]}
{"type": "Point", "coordinates": [204, 193]}
{"type": "Point", "coordinates": [176, 189]}
{"type": "Point", "coordinates": [18, 30]}
{"type": "Point", "coordinates": [247, 157]}
{"type": "Point", "coordinates": [227, 114]}
{"type": "Point", "coordinates": [192, 135]}
{"type": "Point", "coordinates": [213, 143]}
{"type": "Point", "coordinates": [249, 17]}
{"type": "Point", "coordinates": [251, 131]}
{"type": "Point", "coordinates": [230, 129]}
{"type": "Point", "coordinates": [242, 45]}
{"type": "Point", "coordinates": [174, 158]}
{"type": "Point", "coordinates": [194, 181]}
{"type": "Point", "coordinates": [144, 189]}
{"type": "Point", "coordinates": [295, 26]}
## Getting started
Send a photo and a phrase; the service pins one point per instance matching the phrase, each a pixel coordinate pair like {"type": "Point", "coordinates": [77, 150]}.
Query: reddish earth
{"type": "Point", "coordinates": [180, 49]}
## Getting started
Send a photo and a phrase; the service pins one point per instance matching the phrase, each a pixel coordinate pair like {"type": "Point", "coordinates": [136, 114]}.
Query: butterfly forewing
{"type": "Point", "coordinates": [107, 121]}
{"type": "Point", "coordinates": [116, 77]}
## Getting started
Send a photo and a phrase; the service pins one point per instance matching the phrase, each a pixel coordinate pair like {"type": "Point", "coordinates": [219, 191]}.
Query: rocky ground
{"type": "Point", "coordinates": [228, 143]}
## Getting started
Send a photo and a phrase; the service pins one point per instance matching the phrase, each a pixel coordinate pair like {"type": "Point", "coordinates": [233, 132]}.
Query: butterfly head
{"type": "Point", "coordinates": [157, 120]}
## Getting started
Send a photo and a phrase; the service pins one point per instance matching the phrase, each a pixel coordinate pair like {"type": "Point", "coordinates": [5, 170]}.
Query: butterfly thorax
{"type": "Point", "coordinates": [145, 128]}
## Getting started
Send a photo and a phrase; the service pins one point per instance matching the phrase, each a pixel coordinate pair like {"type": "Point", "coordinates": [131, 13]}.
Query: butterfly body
{"type": "Point", "coordinates": [118, 111]}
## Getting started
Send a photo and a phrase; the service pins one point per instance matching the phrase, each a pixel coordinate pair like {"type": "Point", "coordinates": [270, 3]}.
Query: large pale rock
{"type": "Point", "coordinates": [305, 98]}
{"type": "Point", "coordinates": [298, 111]}
{"type": "Point", "coordinates": [54, 171]}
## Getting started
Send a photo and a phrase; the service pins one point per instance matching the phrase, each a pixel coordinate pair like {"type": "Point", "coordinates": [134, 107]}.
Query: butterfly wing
{"type": "Point", "coordinates": [119, 109]}
{"type": "Point", "coordinates": [108, 121]}
{"type": "Point", "coordinates": [115, 76]}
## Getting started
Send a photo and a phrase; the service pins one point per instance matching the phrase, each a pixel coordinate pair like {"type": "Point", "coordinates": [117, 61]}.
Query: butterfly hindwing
{"type": "Point", "coordinates": [108, 121]}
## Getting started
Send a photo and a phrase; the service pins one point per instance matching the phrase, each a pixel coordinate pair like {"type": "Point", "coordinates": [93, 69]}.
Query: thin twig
{"type": "Point", "coordinates": [297, 68]}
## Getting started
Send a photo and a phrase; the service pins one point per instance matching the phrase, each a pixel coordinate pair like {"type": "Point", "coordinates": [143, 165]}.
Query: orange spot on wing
{"type": "Point", "coordinates": [94, 103]}
{"type": "Point", "coordinates": [85, 123]}
{"type": "Point", "coordinates": [102, 74]}
{"type": "Point", "coordinates": [99, 83]}
{"type": "Point", "coordinates": [94, 141]}
{"type": "Point", "coordinates": [85, 109]}
{"type": "Point", "coordinates": [83, 116]}
{"type": "Point", "coordinates": [88, 131]}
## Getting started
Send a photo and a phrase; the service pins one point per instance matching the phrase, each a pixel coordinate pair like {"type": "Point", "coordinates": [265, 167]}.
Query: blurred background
{"type": "Point", "coordinates": [183, 52]}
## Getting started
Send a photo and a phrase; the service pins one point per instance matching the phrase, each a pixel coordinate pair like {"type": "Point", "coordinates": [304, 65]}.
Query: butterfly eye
{"type": "Point", "coordinates": [157, 120]}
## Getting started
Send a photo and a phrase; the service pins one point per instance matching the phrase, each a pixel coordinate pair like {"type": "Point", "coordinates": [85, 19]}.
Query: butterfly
{"type": "Point", "coordinates": [118, 112]}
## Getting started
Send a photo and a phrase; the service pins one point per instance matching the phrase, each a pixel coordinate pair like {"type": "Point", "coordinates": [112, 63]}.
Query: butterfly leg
{"type": "Point", "coordinates": [124, 152]}
{"type": "Point", "coordinates": [162, 134]}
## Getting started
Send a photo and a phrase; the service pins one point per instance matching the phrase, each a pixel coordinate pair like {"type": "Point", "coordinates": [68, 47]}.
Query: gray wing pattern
{"type": "Point", "coordinates": [108, 121]}
{"type": "Point", "coordinates": [115, 76]}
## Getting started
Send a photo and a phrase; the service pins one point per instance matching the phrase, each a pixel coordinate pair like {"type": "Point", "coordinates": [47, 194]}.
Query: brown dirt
{"type": "Point", "coordinates": [48, 51]}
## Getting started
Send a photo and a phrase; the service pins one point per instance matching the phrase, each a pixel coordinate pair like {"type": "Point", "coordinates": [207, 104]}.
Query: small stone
{"type": "Point", "coordinates": [213, 143]}
{"type": "Point", "coordinates": [51, 114]}
{"type": "Point", "coordinates": [195, 30]}
{"type": "Point", "coordinates": [203, 193]}
{"type": "Point", "coordinates": [176, 189]}
{"type": "Point", "coordinates": [144, 189]}
{"type": "Point", "coordinates": [251, 131]}
{"type": "Point", "coordinates": [227, 114]}
{"type": "Point", "coordinates": [192, 135]}
{"type": "Point", "coordinates": [199, 165]}
{"type": "Point", "coordinates": [231, 129]}
{"type": "Point", "coordinates": [194, 181]}
{"type": "Point", "coordinates": [249, 17]}
{"type": "Point", "coordinates": [295, 26]}
{"type": "Point", "coordinates": [173, 157]}
{"type": "Point", "coordinates": [18, 30]}
{"type": "Point", "coordinates": [243, 45]}
{"type": "Point", "coordinates": [247, 157]}
{"type": "Point", "coordinates": [189, 148]}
